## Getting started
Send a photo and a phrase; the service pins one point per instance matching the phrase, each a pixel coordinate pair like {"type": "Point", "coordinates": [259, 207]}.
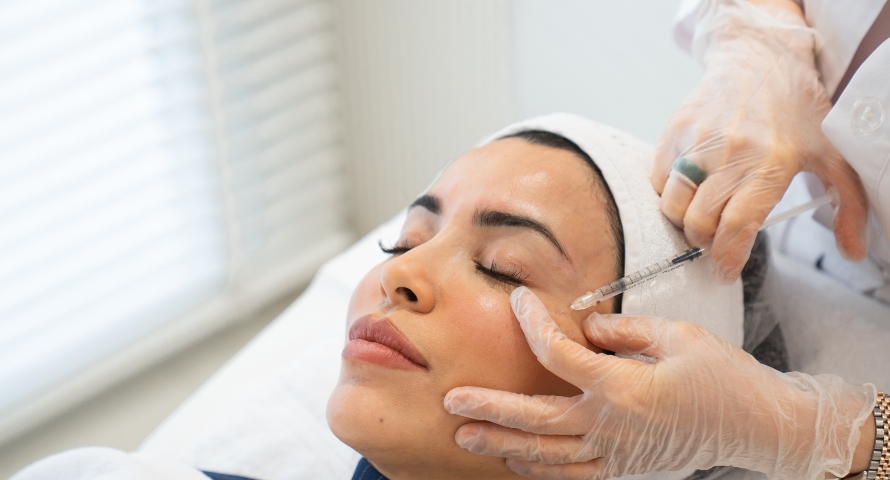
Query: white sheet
{"type": "Point", "coordinates": [263, 414]}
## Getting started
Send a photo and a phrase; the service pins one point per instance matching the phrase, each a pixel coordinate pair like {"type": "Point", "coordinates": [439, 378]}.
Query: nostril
{"type": "Point", "coordinates": [407, 293]}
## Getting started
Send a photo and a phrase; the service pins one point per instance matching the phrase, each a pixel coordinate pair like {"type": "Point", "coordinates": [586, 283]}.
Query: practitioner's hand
{"type": "Point", "coordinates": [751, 125]}
{"type": "Point", "coordinates": [704, 403]}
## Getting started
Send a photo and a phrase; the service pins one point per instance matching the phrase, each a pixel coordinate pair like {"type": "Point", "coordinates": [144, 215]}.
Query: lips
{"type": "Point", "coordinates": [379, 341]}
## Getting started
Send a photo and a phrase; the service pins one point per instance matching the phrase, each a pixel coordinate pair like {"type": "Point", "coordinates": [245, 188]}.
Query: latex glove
{"type": "Point", "coordinates": [705, 402]}
{"type": "Point", "coordinates": [751, 125]}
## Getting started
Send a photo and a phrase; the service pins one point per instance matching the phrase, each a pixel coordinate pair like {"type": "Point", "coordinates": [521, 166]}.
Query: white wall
{"type": "Point", "coordinates": [423, 81]}
{"type": "Point", "coordinates": [612, 61]}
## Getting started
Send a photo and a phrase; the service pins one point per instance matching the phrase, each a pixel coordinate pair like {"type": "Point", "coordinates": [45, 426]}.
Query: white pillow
{"type": "Point", "coordinates": [263, 414]}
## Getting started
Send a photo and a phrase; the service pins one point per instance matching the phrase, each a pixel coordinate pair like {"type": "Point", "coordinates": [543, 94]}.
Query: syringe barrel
{"type": "Point", "coordinates": [651, 271]}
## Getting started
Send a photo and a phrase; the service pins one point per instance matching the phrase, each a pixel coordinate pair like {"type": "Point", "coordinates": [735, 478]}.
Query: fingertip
{"type": "Point", "coordinates": [588, 325]}
{"type": "Point", "coordinates": [522, 467]}
{"type": "Point", "coordinates": [450, 400]}
{"type": "Point", "coordinates": [853, 247]}
{"type": "Point", "coordinates": [468, 437]}
{"type": "Point", "coordinates": [597, 320]}
{"type": "Point", "coordinates": [463, 400]}
{"type": "Point", "coordinates": [726, 276]}
{"type": "Point", "coordinates": [850, 230]}
{"type": "Point", "coordinates": [725, 271]}
{"type": "Point", "coordinates": [851, 208]}
{"type": "Point", "coordinates": [517, 297]}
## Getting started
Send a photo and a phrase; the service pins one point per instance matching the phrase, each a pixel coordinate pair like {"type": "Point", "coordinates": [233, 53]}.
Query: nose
{"type": "Point", "coordinates": [406, 282]}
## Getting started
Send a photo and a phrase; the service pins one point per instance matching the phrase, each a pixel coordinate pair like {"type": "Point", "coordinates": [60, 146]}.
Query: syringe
{"type": "Point", "coordinates": [625, 283]}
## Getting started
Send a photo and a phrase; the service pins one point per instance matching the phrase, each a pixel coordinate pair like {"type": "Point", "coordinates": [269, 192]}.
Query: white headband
{"type": "Point", "coordinates": [626, 162]}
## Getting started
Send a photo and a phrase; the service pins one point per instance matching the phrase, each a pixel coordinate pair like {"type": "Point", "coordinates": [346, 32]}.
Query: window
{"type": "Point", "coordinates": [164, 165]}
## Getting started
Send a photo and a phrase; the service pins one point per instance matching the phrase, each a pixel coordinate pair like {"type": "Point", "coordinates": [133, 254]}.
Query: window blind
{"type": "Point", "coordinates": [158, 159]}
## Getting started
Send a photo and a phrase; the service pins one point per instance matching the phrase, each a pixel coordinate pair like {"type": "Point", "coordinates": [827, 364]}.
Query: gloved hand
{"type": "Point", "coordinates": [751, 125]}
{"type": "Point", "coordinates": [703, 403]}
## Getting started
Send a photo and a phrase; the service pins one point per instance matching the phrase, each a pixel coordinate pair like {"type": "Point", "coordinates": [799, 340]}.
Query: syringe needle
{"type": "Point", "coordinates": [623, 284]}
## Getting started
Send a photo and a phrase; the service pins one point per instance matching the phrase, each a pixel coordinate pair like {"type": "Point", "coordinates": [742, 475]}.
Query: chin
{"type": "Point", "coordinates": [374, 419]}
{"type": "Point", "coordinates": [405, 434]}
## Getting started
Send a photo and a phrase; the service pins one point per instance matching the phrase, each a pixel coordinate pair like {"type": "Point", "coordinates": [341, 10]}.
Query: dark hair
{"type": "Point", "coordinates": [548, 139]}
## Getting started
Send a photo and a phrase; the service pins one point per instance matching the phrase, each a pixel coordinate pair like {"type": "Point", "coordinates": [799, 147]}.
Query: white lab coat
{"type": "Point", "coordinates": [858, 125]}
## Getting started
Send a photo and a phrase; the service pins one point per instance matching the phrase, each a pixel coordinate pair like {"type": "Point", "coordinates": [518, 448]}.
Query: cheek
{"type": "Point", "coordinates": [493, 350]}
{"type": "Point", "coordinates": [366, 295]}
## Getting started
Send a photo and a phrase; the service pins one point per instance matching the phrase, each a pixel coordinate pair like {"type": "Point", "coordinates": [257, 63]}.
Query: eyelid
{"type": "Point", "coordinates": [397, 249]}
{"type": "Point", "coordinates": [515, 277]}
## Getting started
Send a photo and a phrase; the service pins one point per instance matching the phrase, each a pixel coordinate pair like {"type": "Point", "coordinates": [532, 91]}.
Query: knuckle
{"type": "Point", "coordinates": [627, 324]}
{"type": "Point", "coordinates": [786, 153]}
{"type": "Point", "coordinates": [673, 212]}
{"type": "Point", "coordinates": [734, 141]}
{"type": "Point", "coordinates": [699, 227]}
{"type": "Point", "coordinates": [737, 222]}
{"type": "Point", "coordinates": [679, 120]}
{"type": "Point", "coordinates": [672, 208]}
{"type": "Point", "coordinates": [688, 330]}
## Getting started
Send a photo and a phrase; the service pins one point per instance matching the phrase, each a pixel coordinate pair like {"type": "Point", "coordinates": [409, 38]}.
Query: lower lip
{"type": "Point", "coordinates": [378, 354]}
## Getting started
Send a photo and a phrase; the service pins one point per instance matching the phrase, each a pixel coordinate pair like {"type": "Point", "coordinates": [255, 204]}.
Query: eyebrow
{"type": "Point", "coordinates": [493, 218]}
{"type": "Point", "coordinates": [428, 202]}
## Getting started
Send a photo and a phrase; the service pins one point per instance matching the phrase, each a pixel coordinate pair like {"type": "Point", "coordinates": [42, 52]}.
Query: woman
{"type": "Point", "coordinates": [528, 209]}
{"type": "Point", "coordinates": [558, 204]}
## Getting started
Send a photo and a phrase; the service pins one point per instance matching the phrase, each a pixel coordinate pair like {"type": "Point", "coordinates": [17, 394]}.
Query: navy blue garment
{"type": "Point", "coordinates": [223, 476]}
{"type": "Point", "coordinates": [366, 471]}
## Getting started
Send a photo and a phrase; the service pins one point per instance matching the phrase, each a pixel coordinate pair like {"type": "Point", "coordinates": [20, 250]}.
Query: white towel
{"type": "Point", "coordinates": [626, 162]}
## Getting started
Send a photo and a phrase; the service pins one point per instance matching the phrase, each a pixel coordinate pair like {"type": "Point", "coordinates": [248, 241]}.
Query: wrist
{"type": "Point", "coordinates": [788, 5]}
{"type": "Point", "coordinates": [769, 28]}
{"type": "Point", "coordinates": [865, 447]}
{"type": "Point", "coordinates": [823, 420]}
{"type": "Point", "coordinates": [872, 459]}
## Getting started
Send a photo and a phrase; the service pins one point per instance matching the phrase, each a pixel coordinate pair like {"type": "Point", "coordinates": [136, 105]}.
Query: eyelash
{"type": "Point", "coordinates": [514, 276]}
{"type": "Point", "coordinates": [396, 249]}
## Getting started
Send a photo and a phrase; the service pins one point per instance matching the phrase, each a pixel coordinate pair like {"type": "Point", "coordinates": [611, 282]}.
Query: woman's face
{"type": "Point", "coordinates": [506, 214]}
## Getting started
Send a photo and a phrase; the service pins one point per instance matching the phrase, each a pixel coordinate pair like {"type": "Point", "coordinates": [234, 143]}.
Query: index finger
{"type": "Point", "coordinates": [541, 414]}
{"type": "Point", "coordinates": [740, 221]}
{"type": "Point", "coordinates": [564, 357]}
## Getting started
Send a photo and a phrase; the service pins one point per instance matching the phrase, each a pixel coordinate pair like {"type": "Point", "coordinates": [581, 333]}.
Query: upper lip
{"type": "Point", "coordinates": [382, 331]}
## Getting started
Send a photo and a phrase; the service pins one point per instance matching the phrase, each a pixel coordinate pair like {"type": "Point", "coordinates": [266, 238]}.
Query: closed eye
{"type": "Point", "coordinates": [511, 276]}
{"type": "Point", "coordinates": [396, 249]}
{"type": "Point", "coordinates": [514, 277]}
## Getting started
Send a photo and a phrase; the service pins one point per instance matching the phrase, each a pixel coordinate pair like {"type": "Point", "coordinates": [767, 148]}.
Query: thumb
{"type": "Point", "coordinates": [566, 358]}
{"type": "Point", "coordinates": [629, 335]}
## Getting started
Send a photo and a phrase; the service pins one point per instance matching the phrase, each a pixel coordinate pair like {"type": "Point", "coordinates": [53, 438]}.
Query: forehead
{"type": "Point", "coordinates": [552, 185]}
{"type": "Point", "coordinates": [514, 172]}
